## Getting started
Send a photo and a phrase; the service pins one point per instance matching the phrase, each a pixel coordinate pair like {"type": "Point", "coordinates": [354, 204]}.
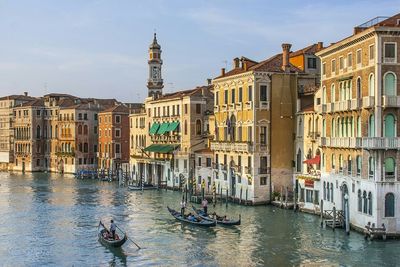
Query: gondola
{"type": "Point", "coordinates": [201, 222]}
{"type": "Point", "coordinates": [109, 242]}
{"type": "Point", "coordinates": [219, 219]}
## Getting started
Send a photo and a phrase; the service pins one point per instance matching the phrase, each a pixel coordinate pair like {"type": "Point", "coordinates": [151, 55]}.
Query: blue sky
{"type": "Point", "coordinates": [99, 47]}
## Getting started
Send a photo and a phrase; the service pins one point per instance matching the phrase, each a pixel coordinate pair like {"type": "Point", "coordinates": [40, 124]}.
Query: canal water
{"type": "Point", "coordinates": [51, 220]}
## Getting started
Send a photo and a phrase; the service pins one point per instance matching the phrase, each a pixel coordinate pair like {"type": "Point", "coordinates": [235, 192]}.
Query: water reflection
{"type": "Point", "coordinates": [55, 219]}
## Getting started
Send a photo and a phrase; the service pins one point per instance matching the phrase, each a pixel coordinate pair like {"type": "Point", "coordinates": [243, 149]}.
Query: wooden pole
{"type": "Point", "coordinates": [247, 191]}
{"type": "Point", "coordinates": [241, 191]}
{"type": "Point", "coordinates": [226, 202]}
{"type": "Point", "coordinates": [334, 218]}
{"type": "Point", "coordinates": [322, 212]}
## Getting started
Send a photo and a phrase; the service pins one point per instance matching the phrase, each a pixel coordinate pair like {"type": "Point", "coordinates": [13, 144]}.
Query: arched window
{"type": "Point", "coordinates": [351, 127]}
{"type": "Point", "coordinates": [359, 94]}
{"type": "Point", "coordinates": [365, 202]}
{"type": "Point", "coordinates": [80, 147]}
{"type": "Point", "coordinates": [333, 128]}
{"type": "Point", "coordinates": [85, 148]}
{"type": "Point", "coordinates": [389, 168]}
{"type": "Point", "coordinates": [359, 126]}
{"type": "Point", "coordinates": [371, 167]}
{"type": "Point", "coordinates": [38, 132]}
{"type": "Point", "coordinates": [85, 130]}
{"type": "Point", "coordinates": [371, 126]}
{"type": "Point", "coordinates": [389, 205]}
{"type": "Point", "coordinates": [358, 163]}
{"type": "Point", "coordinates": [80, 129]}
{"type": "Point", "coordinates": [359, 202]}
{"type": "Point", "coordinates": [132, 141]}
{"type": "Point", "coordinates": [349, 163]}
{"type": "Point", "coordinates": [318, 153]}
{"type": "Point", "coordinates": [370, 203]}
{"type": "Point", "coordinates": [333, 161]}
{"type": "Point", "coordinates": [390, 84]}
{"type": "Point", "coordinates": [328, 193]}
{"type": "Point", "coordinates": [333, 93]}
{"type": "Point", "coordinates": [340, 163]}
{"type": "Point", "coordinates": [232, 128]}
{"type": "Point", "coordinates": [331, 192]}
{"type": "Point", "coordinates": [298, 159]}
{"type": "Point", "coordinates": [56, 132]}
{"type": "Point", "coordinates": [371, 85]}
{"type": "Point", "coordinates": [390, 126]}
{"type": "Point", "coordinates": [338, 127]}
{"type": "Point", "coordinates": [317, 125]}
{"type": "Point", "coordinates": [324, 95]}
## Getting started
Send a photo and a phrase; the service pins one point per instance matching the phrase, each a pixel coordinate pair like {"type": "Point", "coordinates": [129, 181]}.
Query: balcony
{"type": "Point", "coordinates": [340, 142]}
{"type": "Point", "coordinates": [248, 105]}
{"type": "Point", "coordinates": [368, 101]}
{"type": "Point", "coordinates": [344, 105]}
{"type": "Point", "coordinates": [216, 109]}
{"type": "Point", "coordinates": [390, 101]}
{"type": "Point", "coordinates": [117, 155]}
{"type": "Point", "coordinates": [355, 104]}
{"type": "Point", "coordinates": [264, 104]}
{"type": "Point", "coordinates": [381, 143]}
{"type": "Point", "coordinates": [224, 107]}
{"type": "Point", "coordinates": [234, 146]}
{"type": "Point", "coordinates": [313, 135]}
{"type": "Point", "coordinates": [239, 106]}
{"type": "Point", "coordinates": [390, 60]}
{"type": "Point", "coordinates": [330, 107]}
{"type": "Point", "coordinates": [324, 141]}
{"type": "Point", "coordinates": [265, 170]}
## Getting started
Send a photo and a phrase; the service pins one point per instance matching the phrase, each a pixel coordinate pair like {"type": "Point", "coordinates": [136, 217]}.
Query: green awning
{"type": "Point", "coordinates": [154, 128]}
{"type": "Point", "coordinates": [161, 148]}
{"type": "Point", "coordinates": [172, 126]}
{"type": "Point", "coordinates": [163, 128]}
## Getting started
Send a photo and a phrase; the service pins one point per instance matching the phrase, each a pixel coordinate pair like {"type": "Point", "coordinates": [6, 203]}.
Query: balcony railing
{"type": "Point", "coordinates": [265, 170]}
{"type": "Point", "coordinates": [340, 142]}
{"type": "Point", "coordinates": [381, 143]}
{"type": "Point", "coordinates": [234, 146]}
{"type": "Point", "coordinates": [390, 101]}
{"type": "Point", "coordinates": [368, 101]}
{"type": "Point", "coordinates": [313, 135]}
{"type": "Point", "coordinates": [117, 155]}
{"type": "Point", "coordinates": [355, 103]}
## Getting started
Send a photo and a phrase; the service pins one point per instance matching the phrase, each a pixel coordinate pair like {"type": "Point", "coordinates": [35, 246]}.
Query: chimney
{"type": "Point", "coordinates": [223, 72]}
{"type": "Point", "coordinates": [25, 93]}
{"type": "Point", "coordinates": [320, 45]}
{"type": "Point", "coordinates": [208, 81]}
{"type": "Point", "coordinates": [285, 57]}
{"type": "Point", "coordinates": [236, 63]}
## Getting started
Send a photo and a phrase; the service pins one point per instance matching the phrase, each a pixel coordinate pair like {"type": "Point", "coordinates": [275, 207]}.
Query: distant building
{"type": "Point", "coordinates": [7, 103]}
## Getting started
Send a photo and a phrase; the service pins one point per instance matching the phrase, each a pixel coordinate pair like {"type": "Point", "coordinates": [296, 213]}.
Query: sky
{"type": "Point", "coordinates": [99, 48]}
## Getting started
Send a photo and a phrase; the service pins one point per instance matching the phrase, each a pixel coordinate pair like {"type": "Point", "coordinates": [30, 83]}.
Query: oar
{"type": "Point", "coordinates": [129, 238]}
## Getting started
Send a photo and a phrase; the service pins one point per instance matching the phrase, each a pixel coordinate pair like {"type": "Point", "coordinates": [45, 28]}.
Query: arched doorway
{"type": "Point", "coordinates": [345, 194]}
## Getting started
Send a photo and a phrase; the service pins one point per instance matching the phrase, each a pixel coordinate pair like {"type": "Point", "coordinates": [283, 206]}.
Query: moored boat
{"type": "Point", "coordinates": [199, 221]}
{"type": "Point", "coordinates": [103, 237]}
{"type": "Point", "coordinates": [139, 188]}
{"type": "Point", "coordinates": [219, 219]}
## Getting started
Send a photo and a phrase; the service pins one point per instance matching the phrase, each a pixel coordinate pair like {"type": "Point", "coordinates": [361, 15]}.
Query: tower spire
{"type": "Point", "coordinates": [155, 81]}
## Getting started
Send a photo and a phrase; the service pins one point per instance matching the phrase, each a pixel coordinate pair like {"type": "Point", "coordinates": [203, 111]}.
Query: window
{"type": "Point", "coordinates": [233, 96]}
{"type": "Point", "coordinates": [341, 63]}
{"type": "Point", "coordinates": [95, 129]}
{"type": "Point", "coordinates": [331, 192]}
{"type": "Point", "coordinates": [185, 127]}
{"type": "Point", "coordinates": [263, 93]}
{"type": "Point", "coordinates": [95, 116]}
{"type": "Point", "coordinates": [324, 191]}
{"type": "Point", "coordinates": [333, 161]}
{"type": "Point", "coordinates": [358, 57]}
{"type": "Point", "coordinates": [199, 161]}
{"type": "Point", "coordinates": [208, 162]}
{"type": "Point", "coordinates": [309, 196]}
{"type": "Point", "coordinates": [226, 97]}
{"type": "Point", "coordinates": [85, 117]}
{"type": "Point", "coordinates": [349, 60]}
{"type": "Point", "coordinates": [333, 93]}
{"type": "Point", "coordinates": [371, 85]}
{"type": "Point", "coordinates": [85, 148]}
{"type": "Point", "coordinates": [117, 148]}
{"type": "Point", "coordinates": [349, 165]}
{"type": "Point", "coordinates": [389, 126]}
{"type": "Point", "coordinates": [371, 167]}
{"type": "Point", "coordinates": [358, 167]}
{"type": "Point", "coordinates": [38, 132]}
{"type": "Point", "coordinates": [118, 119]}
{"type": "Point", "coordinates": [390, 52]}
{"type": "Point", "coordinates": [117, 133]}
{"type": "Point", "coordinates": [263, 180]}
{"type": "Point", "coordinates": [263, 135]}
{"type": "Point", "coordinates": [370, 203]}
{"type": "Point", "coordinates": [240, 95]}
{"type": "Point", "coordinates": [389, 205]}
{"type": "Point", "coordinates": [85, 130]}
{"type": "Point", "coordinates": [198, 108]}
{"type": "Point", "coordinates": [198, 127]}
{"type": "Point", "coordinates": [340, 163]}
{"type": "Point", "coordinates": [250, 93]}
{"type": "Point", "coordinates": [324, 68]}
{"type": "Point", "coordinates": [371, 52]}
{"type": "Point", "coordinates": [390, 84]}
{"type": "Point", "coordinates": [186, 108]}
{"type": "Point", "coordinates": [359, 201]}
{"type": "Point", "coordinates": [389, 168]}
{"type": "Point", "coordinates": [312, 63]}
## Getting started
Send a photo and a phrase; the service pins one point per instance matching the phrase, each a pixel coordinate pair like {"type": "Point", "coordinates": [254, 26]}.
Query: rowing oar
{"type": "Point", "coordinates": [129, 238]}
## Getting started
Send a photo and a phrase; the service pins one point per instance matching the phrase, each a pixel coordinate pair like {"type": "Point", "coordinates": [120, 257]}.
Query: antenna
{"type": "Point", "coordinates": [226, 63]}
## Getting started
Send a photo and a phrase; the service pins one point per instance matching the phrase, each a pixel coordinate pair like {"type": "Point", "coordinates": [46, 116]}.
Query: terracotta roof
{"type": "Point", "coordinates": [184, 93]}
{"type": "Point", "coordinates": [204, 150]}
{"type": "Point", "coordinates": [33, 103]}
{"type": "Point", "coordinates": [117, 109]}
{"type": "Point", "coordinates": [17, 97]}
{"type": "Point", "coordinates": [272, 64]}
{"type": "Point", "coordinates": [311, 49]}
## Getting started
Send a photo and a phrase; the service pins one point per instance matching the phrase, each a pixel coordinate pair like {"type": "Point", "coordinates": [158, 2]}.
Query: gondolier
{"type": "Point", "coordinates": [113, 228]}
{"type": "Point", "coordinates": [204, 204]}
{"type": "Point", "coordinates": [183, 206]}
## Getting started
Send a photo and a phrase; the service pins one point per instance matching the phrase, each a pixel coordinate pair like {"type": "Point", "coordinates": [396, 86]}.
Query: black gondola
{"type": "Point", "coordinates": [116, 243]}
{"type": "Point", "coordinates": [200, 222]}
{"type": "Point", "coordinates": [219, 219]}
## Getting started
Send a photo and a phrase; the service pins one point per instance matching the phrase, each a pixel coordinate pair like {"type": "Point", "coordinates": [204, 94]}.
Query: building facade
{"type": "Point", "coordinates": [358, 105]}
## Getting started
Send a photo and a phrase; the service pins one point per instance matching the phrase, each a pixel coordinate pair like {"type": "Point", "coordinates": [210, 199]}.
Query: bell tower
{"type": "Point", "coordinates": [155, 81]}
